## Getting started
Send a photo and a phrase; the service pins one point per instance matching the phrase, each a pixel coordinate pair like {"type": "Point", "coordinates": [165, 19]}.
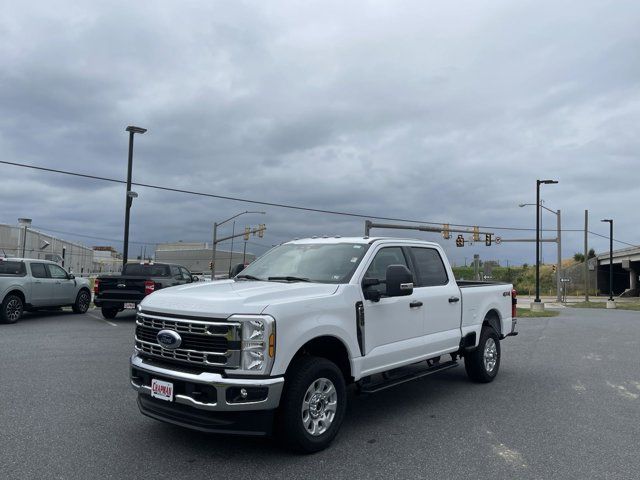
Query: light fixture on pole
{"type": "Point", "coordinates": [129, 195]}
{"type": "Point", "coordinates": [610, 302]}
{"type": "Point", "coordinates": [537, 304]}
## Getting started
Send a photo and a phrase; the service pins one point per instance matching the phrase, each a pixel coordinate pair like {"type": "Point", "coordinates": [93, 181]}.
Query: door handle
{"type": "Point", "coordinates": [415, 304]}
{"type": "Point", "coordinates": [454, 299]}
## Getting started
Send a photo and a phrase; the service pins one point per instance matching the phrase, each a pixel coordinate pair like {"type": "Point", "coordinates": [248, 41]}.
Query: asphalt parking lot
{"type": "Point", "coordinates": [566, 404]}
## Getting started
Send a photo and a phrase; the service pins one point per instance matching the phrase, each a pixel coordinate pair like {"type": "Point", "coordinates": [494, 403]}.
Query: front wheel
{"type": "Point", "coordinates": [82, 302]}
{"type": "Point", "coordinates": [109, 312]}
{"type": "Point", "coordinates": [11, 309]}
{"type": "Point", "coordinates": [483, 362]}
{"type": "Point", "coordinates": [313, 404]}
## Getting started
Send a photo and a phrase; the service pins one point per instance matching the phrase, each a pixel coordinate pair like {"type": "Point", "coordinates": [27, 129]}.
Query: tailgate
{"type": "Point", "coordinates": [121, 288]}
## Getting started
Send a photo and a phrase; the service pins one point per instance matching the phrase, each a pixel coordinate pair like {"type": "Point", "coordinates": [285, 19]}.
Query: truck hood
{"type": "Point", "coordinates": [227, 297]}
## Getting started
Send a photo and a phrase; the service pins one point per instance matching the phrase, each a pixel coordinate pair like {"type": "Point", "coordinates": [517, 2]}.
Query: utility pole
{"type": "Point", "coordinates": [559, 269]}
{"type": "Point", "coordinates": [244, 252]}
{"type": "Point", "coordinates": [586, 253]}
{"type": "Point", "coordinates": [233, 232]}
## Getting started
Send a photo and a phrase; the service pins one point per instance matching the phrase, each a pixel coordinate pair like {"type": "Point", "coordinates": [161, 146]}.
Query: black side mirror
{"type": "Point", "coordinates": [71, 276]}
{"type": "Point", "coordinates": [236, 270]}
{"type": "Point", "coordinates": [399, 281]}
{"type": "Point", "coordinates": [194, 278]}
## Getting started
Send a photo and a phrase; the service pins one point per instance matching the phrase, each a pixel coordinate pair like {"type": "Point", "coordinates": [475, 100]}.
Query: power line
{"type": "Point", "coordinates": [37, 227]}
{"type": "Point", "coordinates": [265, 203]}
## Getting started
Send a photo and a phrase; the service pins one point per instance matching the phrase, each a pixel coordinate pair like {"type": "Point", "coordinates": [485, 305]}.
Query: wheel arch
{"type": "Point", "coordinates": [18, 292]}
{"type": "Point", "coordinates": [329, 347]}
{"type": "Point", "coordinates": [492, 319]}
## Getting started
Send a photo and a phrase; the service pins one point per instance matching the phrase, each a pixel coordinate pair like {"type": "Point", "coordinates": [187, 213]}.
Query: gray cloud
{"type": "Point", "coordinates": [433, 112]}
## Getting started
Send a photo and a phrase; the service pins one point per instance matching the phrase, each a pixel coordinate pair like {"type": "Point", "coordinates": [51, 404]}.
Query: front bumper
{"type": "Point", "coordinates": [208, 391]}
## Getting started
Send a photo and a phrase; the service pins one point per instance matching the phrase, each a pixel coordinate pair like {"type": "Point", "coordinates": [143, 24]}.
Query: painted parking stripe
{"type": "Point", "coordinates": [103, 319]}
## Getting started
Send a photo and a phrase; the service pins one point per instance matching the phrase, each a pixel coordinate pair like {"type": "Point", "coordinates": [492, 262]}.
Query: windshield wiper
{"type": "Point", "coordinates": [250, 277]}
{"type": "Point", "coordinates": [291, 279]}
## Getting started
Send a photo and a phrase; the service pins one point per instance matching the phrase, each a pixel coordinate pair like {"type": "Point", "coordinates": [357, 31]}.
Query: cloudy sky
{"type": "Point", "coordinates": [432, 111]}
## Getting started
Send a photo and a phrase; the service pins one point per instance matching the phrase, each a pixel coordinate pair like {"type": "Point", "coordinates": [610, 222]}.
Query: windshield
{"type": "Point", "coordinates": [314, 262]}
{"type": "Point", "coordinates": [146, 270]}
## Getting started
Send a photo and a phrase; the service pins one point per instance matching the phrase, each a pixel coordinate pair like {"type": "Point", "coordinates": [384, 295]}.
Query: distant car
{"type": "Point", "coordinates": [115, 293]}
{"type": "Point", "coordinates": [29, 284]}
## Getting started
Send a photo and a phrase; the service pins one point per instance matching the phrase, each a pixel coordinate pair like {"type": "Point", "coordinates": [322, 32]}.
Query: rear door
{"type": "Point", "coordinates": [63, 287]}
{"type": "Point", "coordinates": [441, 300]}
{"type": "Point", "coordinates": [42, 285]}
{"type": "Point", "coordinates": [394, 329]}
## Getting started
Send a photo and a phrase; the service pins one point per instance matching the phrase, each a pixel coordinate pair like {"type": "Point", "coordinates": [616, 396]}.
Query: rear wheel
{"type": "Point", "coordinates": [109, 312]}
{"type": "Point", "coordinates": [483, 362]}
{"type": "Point", "coordinates": [313, 404]}
{"type": "Point", "coordinates": [11, 309]}
{"type": "Point", "coordinates": [82, 302]}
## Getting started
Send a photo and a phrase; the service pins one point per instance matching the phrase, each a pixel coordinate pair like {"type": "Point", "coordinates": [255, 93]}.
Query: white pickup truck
{"type": "Point", "coordinates": [274, 349]}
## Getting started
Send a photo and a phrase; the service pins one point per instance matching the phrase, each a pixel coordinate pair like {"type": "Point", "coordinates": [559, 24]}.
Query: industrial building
{"type": "Point", "coordinates": [23, 241]}
{"type": "Point", "coordinates": [106, 259]}
{"type": "Point", "coordinates": [196, 257]}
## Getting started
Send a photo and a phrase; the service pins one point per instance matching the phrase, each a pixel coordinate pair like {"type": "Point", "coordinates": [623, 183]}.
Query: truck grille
{"type": "Point", "coordinates": [204, 342]}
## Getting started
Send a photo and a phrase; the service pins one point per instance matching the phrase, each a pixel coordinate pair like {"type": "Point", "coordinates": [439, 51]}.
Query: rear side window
{"type": "Point", "coordinates": [429, 266]}
{"type": "Point", "coordinates": [38, 270]}
{"type": "Point", "coordinates": [145, 270]}
{"type": "Point", "coordinates": [12, 268]}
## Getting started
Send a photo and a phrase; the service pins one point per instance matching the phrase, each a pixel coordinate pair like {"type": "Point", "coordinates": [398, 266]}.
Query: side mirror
{"type": "Point", "coordinates": [399, 281]}
{"type": "Point", "coordinates": [236, 270]}
{"type": "Point", "coordinates": [194, 278]}
{"type": "Point", "coordinates": [71, 276]}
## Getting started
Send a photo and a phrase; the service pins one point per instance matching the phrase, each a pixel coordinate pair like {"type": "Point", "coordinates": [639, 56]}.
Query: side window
{"type": "Point", "coordinates": [175, 273]}
{"type": "Point", "coordinates": [185, 274]}
{"type": "Point", "coordinates": [430, 267]}
{"type": "Point", "coordinates": [38, 270]}
{"type": "Point", "coordinates": [378, 267]}
{"type": "Point", "coordinates": [56, 272]}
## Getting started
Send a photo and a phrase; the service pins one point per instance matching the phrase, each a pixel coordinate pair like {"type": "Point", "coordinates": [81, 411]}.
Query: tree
{"type": "Point", "coordinates": [578, 257]}
{"type": "Point", "coordinates": [591, 254]}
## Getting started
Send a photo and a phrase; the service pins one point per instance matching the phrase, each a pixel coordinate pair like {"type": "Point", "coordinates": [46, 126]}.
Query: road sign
{"type": "Point", "coordinates": [498, 240]}
{"type": "Point", "coordinates": [565, 280]}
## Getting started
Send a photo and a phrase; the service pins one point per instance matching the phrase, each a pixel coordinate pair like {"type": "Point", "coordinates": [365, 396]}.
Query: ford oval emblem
{"type": "Point", "coordinates": [169, 339]}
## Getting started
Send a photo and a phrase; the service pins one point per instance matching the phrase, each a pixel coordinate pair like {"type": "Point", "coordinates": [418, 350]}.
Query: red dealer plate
{"type": "Point", "coordinates": [162, 390]}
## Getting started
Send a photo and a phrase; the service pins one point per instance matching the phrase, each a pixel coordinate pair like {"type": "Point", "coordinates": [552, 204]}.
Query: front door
{"type": "Point", "coordinates": [41, 286]}
{"type": "Point", "coordinates": [63, 287]}
{"type": "Point", "coordinates": [393, 329]}
{"type": "Point", "coordinates": [441, 300]}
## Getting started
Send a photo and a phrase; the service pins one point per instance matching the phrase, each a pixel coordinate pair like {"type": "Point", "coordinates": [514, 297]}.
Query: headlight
{"type": "Point", "coordinates": [258, 344]}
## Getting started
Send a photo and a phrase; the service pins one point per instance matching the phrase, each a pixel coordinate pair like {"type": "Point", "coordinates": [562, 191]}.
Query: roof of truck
{"type": "Point", "coordinates": [360, 240]}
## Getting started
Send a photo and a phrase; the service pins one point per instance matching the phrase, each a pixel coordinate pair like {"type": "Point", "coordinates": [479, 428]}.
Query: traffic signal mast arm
{"type": "Point", "coordinates": [445, 229]}
{"type": "Point", "coordinates": [258, 230]}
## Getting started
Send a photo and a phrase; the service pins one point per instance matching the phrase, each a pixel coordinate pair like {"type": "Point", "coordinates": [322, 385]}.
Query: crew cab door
{"type": "Point", "coordinates": [63, 286]}
{"type": "Point", "coordinates": [394, 329]}
{"type": "Point", "coordinates": [41, 286]}
{"type": "Point", "coordinates": [440, 295]}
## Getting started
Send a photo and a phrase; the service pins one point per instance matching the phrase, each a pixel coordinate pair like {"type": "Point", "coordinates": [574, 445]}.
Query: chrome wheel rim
{"type": "Point", "coordinates": [490, 355]}
{"type": "Point", "coordinates": [319, 406]}
{"type": "Point", "coordinates": [14, 309]}
{"type": "Point", "coordinates": [83, 302]}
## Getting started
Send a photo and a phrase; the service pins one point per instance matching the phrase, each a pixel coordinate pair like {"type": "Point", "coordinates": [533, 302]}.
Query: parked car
{"type": "Point", "coordinates": [29, 284]}
{"type": "Point", "coordinates": [115, 293]}
{"type": "Point", "coordinates": [284, 338]}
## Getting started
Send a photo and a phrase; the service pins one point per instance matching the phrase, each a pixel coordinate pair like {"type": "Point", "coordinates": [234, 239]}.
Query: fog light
{"type": "Point", "coordinates": [243, 393]}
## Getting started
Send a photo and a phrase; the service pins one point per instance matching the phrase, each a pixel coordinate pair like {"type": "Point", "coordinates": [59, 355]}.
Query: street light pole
{"type": "Point", "coordinates": [610, 303]}
{"type": "Point", "coordinates": [233, 232]}
{"type": "Point", "coordinates": [129, 195]}
{"type": "Point", "coordinates": [537, 299]}
{"type": "Point", "coordinates": [215, 238]}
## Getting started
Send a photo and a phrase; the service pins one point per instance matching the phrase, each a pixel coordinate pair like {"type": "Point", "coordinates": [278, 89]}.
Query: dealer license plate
{"type": "Point", "coordinates": [162, 390]}
{"type": "Point", "coordinates": [129, 306]}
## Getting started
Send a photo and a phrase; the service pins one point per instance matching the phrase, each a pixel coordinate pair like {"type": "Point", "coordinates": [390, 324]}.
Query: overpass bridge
{"type": "Point", "coordinates": [626, 268]}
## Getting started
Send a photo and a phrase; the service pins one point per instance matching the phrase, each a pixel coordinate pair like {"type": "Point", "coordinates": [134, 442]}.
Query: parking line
{"type": "Point", "coordinates": [103, 319]}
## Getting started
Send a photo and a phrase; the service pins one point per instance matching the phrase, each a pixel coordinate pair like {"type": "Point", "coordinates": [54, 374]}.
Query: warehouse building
{"type": "Point", "coordinates": [196, 257]}
{"type": "Point", "coordinates": [23, 241]}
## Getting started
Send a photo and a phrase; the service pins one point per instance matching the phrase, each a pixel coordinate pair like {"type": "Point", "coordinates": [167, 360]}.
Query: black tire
{"type": "Point", "coordinates": [11, 309]}
{"type": "Point", "coordinates": [109, 312]}
{"type": "Point", "coordinates": [474, 361]}
{"type": "Point", "coordinates": [83, 300]}
{"type": "Point", "coordinates": [306, 374]}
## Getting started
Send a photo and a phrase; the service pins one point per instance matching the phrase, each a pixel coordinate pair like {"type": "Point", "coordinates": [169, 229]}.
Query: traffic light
{"type": "Point", "coordinates": [459, 241]}
{"type": "Point", "coordinates": [247, 232]}
{"type": "Point", "coordinates": [210, 265]}
{"type": "Point", "coordinates": [446, 233]}
{"type": "Point", "coordinates": [263, 227]}
{"type": "Point", "coordinates": [487, 239]}
{"type": "Point", "coordinates": [553, 268]}
{"type": "Point", "coordinates": [476, 234]}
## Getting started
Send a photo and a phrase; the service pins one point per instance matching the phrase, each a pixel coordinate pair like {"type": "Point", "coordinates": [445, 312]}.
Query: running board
{"type": "Point", "coordinates": [405, 374]}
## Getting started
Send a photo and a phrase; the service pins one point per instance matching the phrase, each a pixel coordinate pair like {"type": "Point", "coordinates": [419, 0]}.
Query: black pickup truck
{"type": "Point", "coordinates": [115, 293]}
